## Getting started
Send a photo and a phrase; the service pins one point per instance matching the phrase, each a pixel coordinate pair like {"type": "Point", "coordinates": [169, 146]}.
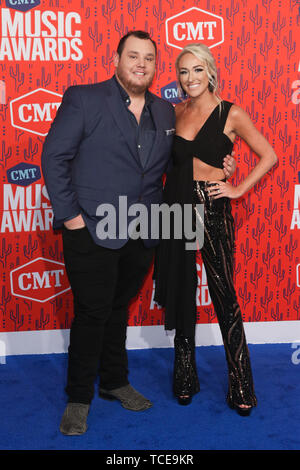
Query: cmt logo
{"type": "Point", "coordinates": [202, 293]}
{"type": "Point", "coordinates": [194, 25]}
{"type": "Point", "coordinates": [35, 111]}
{"type": "Point", "coordinates": [39, 280]}
{"type": "Point", "coordinates": [22, 5]}
{"type": "Point", "coordinates": [170, 93]}
{"type": "Point", "coordinates": [23, 174]}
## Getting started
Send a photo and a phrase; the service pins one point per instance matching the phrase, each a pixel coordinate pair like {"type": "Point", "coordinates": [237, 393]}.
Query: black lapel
{"type": "Point", "coordinates": [117, 108]}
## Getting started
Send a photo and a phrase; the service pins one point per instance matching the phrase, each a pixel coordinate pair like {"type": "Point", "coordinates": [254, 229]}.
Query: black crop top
{"type": "Point", "coordinates": [210, 145]}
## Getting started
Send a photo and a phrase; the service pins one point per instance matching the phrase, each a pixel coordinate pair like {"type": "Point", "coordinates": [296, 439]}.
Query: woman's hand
{"type": "Point", "coordinates": [229, 165]}
{"type": "Point", "coordinates": [218, 189]}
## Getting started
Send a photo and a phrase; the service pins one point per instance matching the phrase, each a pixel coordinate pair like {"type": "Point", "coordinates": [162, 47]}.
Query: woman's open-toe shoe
{"type": "Point", "coordinates": [241, 410]}
{"type": "Point", "coordinates": [184, 400]}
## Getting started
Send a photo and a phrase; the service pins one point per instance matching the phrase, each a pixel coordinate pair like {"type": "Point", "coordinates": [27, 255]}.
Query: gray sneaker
{"type": "Point", "coordinates": [73, 422]}
{"type": "Point", "coordinates": [128, 396]}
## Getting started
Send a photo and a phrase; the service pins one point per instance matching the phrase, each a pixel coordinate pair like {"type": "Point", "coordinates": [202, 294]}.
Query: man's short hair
{"type": "Point", "coordinates": [137, 34]}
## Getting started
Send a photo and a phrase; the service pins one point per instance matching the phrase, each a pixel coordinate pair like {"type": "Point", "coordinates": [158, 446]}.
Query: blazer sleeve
{"type": "Point", "coordinates": [60, 148]}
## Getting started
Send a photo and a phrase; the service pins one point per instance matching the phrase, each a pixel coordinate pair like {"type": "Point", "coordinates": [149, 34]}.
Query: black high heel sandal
{"type": "Point", "coordinates": [185, 379]}
{"type": "Point", "coordinates": [240, 410]}
{"type": "Point", "coordinates": [184, 400]}
{"type": "Point", "coordinates": [241, 396]}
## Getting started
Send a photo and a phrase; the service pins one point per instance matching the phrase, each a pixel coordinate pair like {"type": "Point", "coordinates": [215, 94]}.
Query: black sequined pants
{"type": "Point", "coordinates": [217, 256]}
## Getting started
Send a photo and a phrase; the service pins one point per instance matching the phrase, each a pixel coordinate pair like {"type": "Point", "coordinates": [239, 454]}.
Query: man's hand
{"type": "Point", "coordinates": [229, 165]}
{"type": "Point", "coordinates": [75, 223]}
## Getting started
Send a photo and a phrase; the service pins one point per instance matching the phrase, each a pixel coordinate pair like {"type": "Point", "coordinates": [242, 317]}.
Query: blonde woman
{"type": "Point", "coordinates": [206, 127]}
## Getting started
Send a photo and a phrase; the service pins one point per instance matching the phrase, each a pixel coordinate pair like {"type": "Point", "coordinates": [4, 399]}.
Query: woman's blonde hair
{"type": "Point", "coordinates": [202, 53]}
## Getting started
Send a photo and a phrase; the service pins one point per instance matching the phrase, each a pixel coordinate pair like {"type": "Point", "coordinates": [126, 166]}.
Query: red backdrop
{"type": "Point", "coordinates": [48, 45]}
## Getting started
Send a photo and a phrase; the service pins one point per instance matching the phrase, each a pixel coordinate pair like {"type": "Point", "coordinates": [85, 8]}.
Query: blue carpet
{"type": "Point", "coordinates": [33, 400]}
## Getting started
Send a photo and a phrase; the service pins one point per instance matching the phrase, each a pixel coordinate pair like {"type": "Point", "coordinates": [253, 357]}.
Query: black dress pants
{"type": "Point", "coordinates": [103, 282]}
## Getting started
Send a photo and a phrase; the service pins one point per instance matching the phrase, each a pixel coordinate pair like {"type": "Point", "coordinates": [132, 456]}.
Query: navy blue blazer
{"type": "Point", "coordinates": [90, 158]}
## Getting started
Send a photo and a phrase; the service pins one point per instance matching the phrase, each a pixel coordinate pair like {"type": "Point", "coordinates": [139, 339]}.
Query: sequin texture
{"type": "Point", "coordinates": [217, 256]}
{"type": "Point", "coordinates": [185, 379]}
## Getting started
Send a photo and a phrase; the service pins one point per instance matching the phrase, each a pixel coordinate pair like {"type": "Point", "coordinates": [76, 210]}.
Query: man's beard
{"type": "Point", "coordinates": [131, 86]}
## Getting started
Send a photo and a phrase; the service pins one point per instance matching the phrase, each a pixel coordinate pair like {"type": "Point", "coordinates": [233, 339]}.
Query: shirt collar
{"type": "Point", "coordinates": [126, 98]}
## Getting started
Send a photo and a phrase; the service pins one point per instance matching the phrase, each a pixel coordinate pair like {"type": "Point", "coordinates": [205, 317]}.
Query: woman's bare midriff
{"type": "Point", "coordinates": [204, 172]}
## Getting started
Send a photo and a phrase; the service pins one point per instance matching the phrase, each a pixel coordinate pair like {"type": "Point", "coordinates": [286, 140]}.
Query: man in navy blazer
{"type": "Point", "coordinates": [107, 140]}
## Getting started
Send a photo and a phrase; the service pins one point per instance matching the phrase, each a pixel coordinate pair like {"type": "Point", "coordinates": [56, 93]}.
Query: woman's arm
{"type": "Point", "coordinates": [240, 124]}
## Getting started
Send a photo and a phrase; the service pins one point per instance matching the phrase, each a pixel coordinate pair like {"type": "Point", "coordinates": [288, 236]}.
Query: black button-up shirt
{"type": "Point", "coordinates": [144, 130]}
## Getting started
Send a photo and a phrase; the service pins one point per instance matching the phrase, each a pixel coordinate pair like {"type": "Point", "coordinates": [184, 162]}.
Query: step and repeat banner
{"type": "Point", "coordinates": [48, 45]}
